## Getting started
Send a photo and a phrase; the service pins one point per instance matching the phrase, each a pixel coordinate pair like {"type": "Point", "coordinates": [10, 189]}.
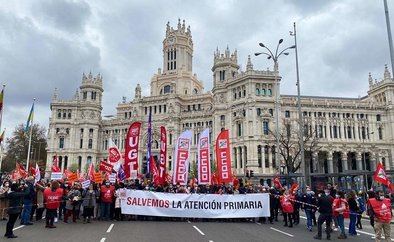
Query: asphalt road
{"type": "Point", "coordinates": [161, 231]}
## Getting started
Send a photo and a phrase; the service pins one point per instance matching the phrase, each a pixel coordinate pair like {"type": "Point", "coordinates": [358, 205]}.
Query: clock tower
{"type": "Point", "coordinates": [177, 49]}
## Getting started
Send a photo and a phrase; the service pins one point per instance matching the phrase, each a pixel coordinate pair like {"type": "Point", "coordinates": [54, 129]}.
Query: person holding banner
{"type": "Point", "coordinates": [89, 197]}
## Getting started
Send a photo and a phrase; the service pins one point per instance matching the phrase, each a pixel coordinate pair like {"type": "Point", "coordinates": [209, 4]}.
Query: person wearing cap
{"type": "Point", "coordinates": [380, 209]}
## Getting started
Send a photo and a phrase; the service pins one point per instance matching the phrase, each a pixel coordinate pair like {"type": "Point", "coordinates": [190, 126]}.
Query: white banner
{"type": "Point", "coordinates": [112, 178]}
{"type": "Point", "coordinates": [56, 176]}
{"type": "Point", "coordinates": [181, 158]}
{"type": "Point", "coordinates": [85, 184]}
{"type": "Point", "coordinates": [194, 205]}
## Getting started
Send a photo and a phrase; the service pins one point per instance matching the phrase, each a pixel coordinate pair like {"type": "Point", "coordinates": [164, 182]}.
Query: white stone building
{"type": "Point", "coordinates": [350, 130]}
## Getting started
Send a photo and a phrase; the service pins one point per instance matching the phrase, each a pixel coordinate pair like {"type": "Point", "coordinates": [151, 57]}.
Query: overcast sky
{"type": "Point", "coordinates": [48, 44]}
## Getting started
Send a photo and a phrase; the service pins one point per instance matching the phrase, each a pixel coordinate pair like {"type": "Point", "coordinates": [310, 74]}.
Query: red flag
{"type": "Point", "coordinates": [21, 170]}
{"type": "Point", "coordinates": [153, 171]}
{"type": "Point", "coordinates": [181, 159]}
{"type": "Point", "coordinates": [32, 171]}
{"type": "Point", "coordinates": [113, 152]}
{"type": "Point", "coordinates": [294, 187]}
{"type": "Point", "coordinates": [91, 172]}
{"type": "Point", "coordinates": [380, 175]}
{"type": "Point", "coordinates": [277, 183]}
{"type": "Point", "coordinates": [163, 155]}
{"type": "Point", "coordinates": [131, 156]}
{"type": "Point", "coordinates": [204, 164]}
{"type": "Point", "coordinates": [67, 173]}
{"type": "Point", "coordinates": [104, 166]}
{"type": "Point", "coordinates": [55, 164]}
{"type": "Point", "coordinates": [223, 157]}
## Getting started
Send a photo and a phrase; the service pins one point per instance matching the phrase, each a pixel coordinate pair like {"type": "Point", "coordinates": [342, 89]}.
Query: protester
{"type": "Point", "coordinates": [339, 207]}
{"type": "Point", "coordinates": [324, 203]}
{"type": "Point", "coordinates": [15, 195]}
{"type": "Point", "coordinates": [370, 194]}
{"type": "Point", "coordinates": [89, 197]}
{"type": "Point", "coordinates": [353, 211]}
{"type": "Point", "coordinates": [118, 214]}
{"type": "Point", "coordinates": [28, 202]}
{"type": "Point", "coordinates": [40, 187]}
{"type": "Point", "coordinates": [380, 209]}
{"type": "Point", "coordinates": [72, 204]}
{"type": "Point", "coordinates": [362, 208]}
{"type": "Point", "coordinates": [106, 196]}
{"type": "Point", "coordinates": [5, 187]}
{"type": "Point", "coordinates": [287, 208]}
{"type": "Point", "coordinates": [309, 206]}
{"type": "Point", "coordinates": [52, 198]}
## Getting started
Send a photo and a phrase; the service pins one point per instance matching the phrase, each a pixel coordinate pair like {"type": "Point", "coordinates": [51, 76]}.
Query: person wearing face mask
{"type": "Point", "coordinates": [15, 195]}
{"type": "Point", "coordinates": [3, 200]}
{"type": "Point", "coordinates": [89, 202]}
{"type": "Point", "coordinates": [340, 206]}
{"type": "Point", "coordinates": [106, 194]}
{"type": "Point", "coordinates": [380, 209]}
{"type": "Point", "coordinates": [309, 204]}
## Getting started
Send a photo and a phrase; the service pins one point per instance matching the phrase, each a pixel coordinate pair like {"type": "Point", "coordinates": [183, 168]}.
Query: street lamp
{"type": "Point", "coordinates": [364, 161]}
{"type": "Point", "coordinates": [274, 58]}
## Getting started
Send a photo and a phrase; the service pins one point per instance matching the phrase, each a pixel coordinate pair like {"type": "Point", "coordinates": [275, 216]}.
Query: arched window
{"type": "Point", "coordinates": [257, 92]}
{"type": "Point", "coordinates": [79, 163]}
{"type": "Point", "coordinates": [89, 159]}
{"type": "Point", "coordinates": [269, 92]}
{"type": "Point", "coordinates": [90, 144]}
{"type": "Point", "coordinates": [195, 91]}
{"type": "Point", "coordinates": [167, 89]}
{"type": "Point", "coordinates": [263, 92]}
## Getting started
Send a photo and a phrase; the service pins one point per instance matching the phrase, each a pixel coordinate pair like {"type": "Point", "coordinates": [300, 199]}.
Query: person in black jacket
{"type": "Point", "coordinates": [15, 197]}
{"type": "Point", "coordinates": [324, 203]}
{"type": "Point", "coordinates": [309, 203]}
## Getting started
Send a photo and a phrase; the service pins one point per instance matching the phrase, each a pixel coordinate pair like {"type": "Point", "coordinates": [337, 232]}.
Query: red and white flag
{"type": "Point", "coordinates": [204, 164]}
{"type": "Point", "coordinates": [106, 167]}
{"type": "Point", "coordinates": [181, 158]}
{"type": "Point", "coordinates": [114, 154]}
{"type": "Point", "coordinates": [223, 157]}
{"type": "Point", "coordinates": [380, 175]}
{"type": "Point", "coordinates": [131, 156]}
{"type": "Point", "coordinates": [163, 155]}
{"type": "Point", "coordinates": [37, 174]}
{"type": "Point", "coordinates": [153, 171]}
{"type": "Point", "coordinates": [91, 171]}
{"type": "Point", "coordinates": [55, 164]}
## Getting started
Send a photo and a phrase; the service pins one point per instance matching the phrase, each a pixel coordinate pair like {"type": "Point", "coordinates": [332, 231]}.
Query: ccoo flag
{"type": "Point", "coordinates": [30, 118]}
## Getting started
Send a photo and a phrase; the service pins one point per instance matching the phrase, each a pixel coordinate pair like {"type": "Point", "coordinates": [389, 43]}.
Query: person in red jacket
{"type": "Point", "coordinates": [339, 207]}
{"type": "Point", "coordinates": [381, 209]}
{"type": "Point", "coordinates": [286, 202]}
{"type": "Point", "coordinates": [52, 198]}
{"type": "Point", "coordinates": [107, 193]}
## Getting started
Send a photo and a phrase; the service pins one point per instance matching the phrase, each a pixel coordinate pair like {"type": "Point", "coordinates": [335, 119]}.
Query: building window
{"type": "Point", "coordinates": [239, 129]}
{"type": "Point", "coordinates": [320, 131]}
{"type": "Point", "coordinates": [363, 133]}
{"type": "Point", "coordinates": [222, 118]}
{"type": "Point", "coordinates": [257, 92]}
{"type": "Point", "coordinates": [79, 163]}
{"type": "Point", "coordinates": [61, 142]}
{"type": "Point", "coordinates": [165, 108]}
{"type": "Point", "coordinates": [167, 89]}
{"type": "Point", "coordinates": [378, 117]}
{"type": "Point", "coordinates": [269, 92]}
{"type": "Point", "coordinates": [90, 144]}
{"type": "Point", "coordinates": [59, 115]}
{"type": "Point", "coordinates": [106, 144]}
{"type": "Point", "coordinates": [222, 75]}
{"type": "Point", "coordinates": [258, 111]}
{"type": "Point", "coordinates": [271, 111]}
{"type": "Point", "coordinates": [85, 95]}
{"type": "Point", "coordinates": [335, 131]}
{"type": "Point", "coordinates": [265, 127]}
{"type": "Point", "coordinates": [81, 143]}
{"type": "Point", "coordinates": [259, 155]}
{"type": "Point", "coordinates": [287, 114]}
{"type": "Point", "coordinates": [380, 133]}
{"type": "Point", "coordinates": [263, 92]}
{"type": "Point", "coordinates": [349, 132]}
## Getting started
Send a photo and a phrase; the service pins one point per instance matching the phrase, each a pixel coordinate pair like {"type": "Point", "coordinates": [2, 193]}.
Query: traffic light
{"type": "Point", "coordinates": [251, 173]}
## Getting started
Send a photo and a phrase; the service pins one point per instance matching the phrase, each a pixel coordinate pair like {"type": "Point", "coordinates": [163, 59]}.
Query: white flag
{"type": "Point", "coordinates": [37, 174]}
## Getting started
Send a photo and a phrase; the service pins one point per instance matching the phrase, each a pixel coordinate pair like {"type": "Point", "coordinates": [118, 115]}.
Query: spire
{"type": "Point", "coordinates": [76, 95]}
{"type": "Point", "coordinates": [370, 80]}
{"type": "Point", "coordinates": [168, 28]}
{"type": "Point", "coordinates": [183, 26]}
{"type": "Point", "coordinates": [249, 65]}
{"type": "Point", "coordinates": [179, 23]}
{"type": "Point", "coordinates": [55, 94]}
{"type": "Point", "coordinates": [137, 94]}
{"type": "Point", "coordinates": [387, 75]}
{"type": "Point", "coordinates": [227, 52]}
{"type": "Point", "coordinates": [189, 32]}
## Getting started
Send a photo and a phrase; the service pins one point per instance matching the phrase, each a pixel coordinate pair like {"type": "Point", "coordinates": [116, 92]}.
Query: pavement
{"type": "Point", "coordinates": [162, 231]}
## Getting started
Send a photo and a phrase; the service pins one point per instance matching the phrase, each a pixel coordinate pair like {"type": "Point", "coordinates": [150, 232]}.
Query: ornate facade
{"type": "Point", "coordinates": [353, 133]}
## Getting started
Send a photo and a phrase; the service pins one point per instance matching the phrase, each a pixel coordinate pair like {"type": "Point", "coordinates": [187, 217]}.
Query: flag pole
{"type": "Point", "coordinates": [1, 120]}
{"type": "Point", "coordinates": [31, 131]}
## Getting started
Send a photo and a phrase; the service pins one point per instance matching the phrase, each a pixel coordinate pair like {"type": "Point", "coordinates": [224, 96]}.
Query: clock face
{"type": "Point", "coordinates": [171, 40]}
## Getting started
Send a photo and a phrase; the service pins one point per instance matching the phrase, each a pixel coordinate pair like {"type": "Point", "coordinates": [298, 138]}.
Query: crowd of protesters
{"type": "Point", "coordinates": [69, 202]}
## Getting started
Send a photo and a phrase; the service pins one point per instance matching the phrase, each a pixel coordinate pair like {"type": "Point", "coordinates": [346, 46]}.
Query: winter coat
{"type": "Point", "coordinates": [89, 199]}
{"type": "Point", "coordinates": [15, 200]}
{"type": "Point", "coordinates": [73, 199]}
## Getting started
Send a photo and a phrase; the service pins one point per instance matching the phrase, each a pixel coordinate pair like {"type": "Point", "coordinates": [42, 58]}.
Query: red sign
{"type": "Point", "coordinates": [131, 156]}
{"type": "Point", "coordinates": [104, 166]}
{"type": "Point", "coordinates": [181, 161]}
{"type": "Point", "coordinates": [223, 157]}
{"type": "Point", "coordinates": [380, 175]}
{"type": "Point", "coordinates": [113, 153]}
{"type": "Point", "coordinates": [204, 164]}
{"type": "Point", "coordinates": [163, 155]}
{"type": "Point", "coordinates": [98, 178]}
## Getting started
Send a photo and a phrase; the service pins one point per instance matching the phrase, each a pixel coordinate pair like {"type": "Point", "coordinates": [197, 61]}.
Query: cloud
{"type": "Point", "coordinates": [49, 44]}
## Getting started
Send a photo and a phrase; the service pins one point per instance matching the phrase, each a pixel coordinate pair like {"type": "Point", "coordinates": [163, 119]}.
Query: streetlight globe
{"type": "Point", "coordinates": [280, 41]}
{"type": "Point", "coordinates": [262, 45]}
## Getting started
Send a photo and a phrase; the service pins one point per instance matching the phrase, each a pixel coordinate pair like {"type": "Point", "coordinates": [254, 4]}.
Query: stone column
{"type": "Point", "coordinates": [263, 158]}
{"type": "Point", "coordinates": [270, 159]}
{"type": "Point", "coordinates": [315, 162]}
{"type": "Point", "coordinates": [344, 161]}
{"type": "Point", "coordinates": [330, 162]}
{"type": "Point", "coordinates": [359, 161]}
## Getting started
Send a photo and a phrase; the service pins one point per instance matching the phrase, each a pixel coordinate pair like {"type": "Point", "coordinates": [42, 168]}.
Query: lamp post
{"type": "Point", "coordinates": [364, 161]}
{"type": "Point", "coordinates": [274, 58]}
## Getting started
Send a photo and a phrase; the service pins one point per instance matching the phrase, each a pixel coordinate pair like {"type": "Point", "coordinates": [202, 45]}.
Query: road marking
{"type": "Point", "coordinates": [102, 240]}
{"type": "Point", "coordinates": [18, 227]}
{"type": "Point", "coordinates": [280, 231]}
{"type": "Point", "coordinates": [210, 241]}
{"type": "Point", "coordinates": [198, 230]}
{"type": "Point", "coordinates": [188, 221]}
{"type": "Point", "coordinates": [110, 228]}
{"type": "Point", "coordinates": [258, 223]}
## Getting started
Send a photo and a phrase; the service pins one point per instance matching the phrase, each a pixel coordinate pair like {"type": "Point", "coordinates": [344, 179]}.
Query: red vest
{"type": "Point", "coordinates": [287, 205]}
{"type": "Point", "coordinates": [52, 198]}
{"type": "Point", "coordinates": [381, 209]}
{"type": "Point", "coordinates": [107, 193]}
